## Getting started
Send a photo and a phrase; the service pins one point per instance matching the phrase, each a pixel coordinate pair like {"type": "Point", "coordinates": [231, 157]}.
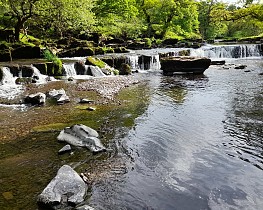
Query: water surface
{"type": "Point", "coordinates": [198, 145]}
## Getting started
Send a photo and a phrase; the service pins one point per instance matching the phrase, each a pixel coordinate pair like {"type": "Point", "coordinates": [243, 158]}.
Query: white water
{"type": "Point", "coordinates": [227, 51]}
{"type": "Point", "coordinates": [41, 77]}
{"type": "Point", "coordinates": [8, 88]}
{"type": "Point", "coordinates": [70, 70]}
{"type": "Point", "coordinates": [96, 71]}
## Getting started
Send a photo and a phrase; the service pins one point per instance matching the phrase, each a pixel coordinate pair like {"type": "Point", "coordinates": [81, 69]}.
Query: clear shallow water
{"type": "Point", "coordinates": [198, 145]}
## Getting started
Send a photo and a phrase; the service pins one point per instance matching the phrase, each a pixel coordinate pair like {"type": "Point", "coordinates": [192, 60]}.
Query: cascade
{"type": "Point", "coordinates": [144, 62]}
{"type": "Point", "coordinates": [9, 89]}
{"type": "Point", "coordinates": [96, 71]}
{"type": "Point", "coordinates": [69, 69]}
{"type": "Point", "coordinates": [8, 78]}
{"type": "Point", "coordinates": [41, 78]}
{"type": "Point", "coordinates": [229, 51]}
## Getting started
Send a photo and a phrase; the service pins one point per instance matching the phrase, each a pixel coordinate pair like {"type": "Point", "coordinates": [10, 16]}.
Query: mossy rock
{"type": "Point", "coordinates": [95, 62]}
{"type": "Point", "coordinates": [125, 69]}
{"type": "Point", "coordinates": [24, 80]}
{"type": "Point", "coordinates": [184, 53]}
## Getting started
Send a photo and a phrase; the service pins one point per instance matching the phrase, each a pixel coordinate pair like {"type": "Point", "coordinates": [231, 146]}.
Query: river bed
{"type": "Point", "coordinates": [197, 146]}
{"type": "Point", "coordinates": [180, 142]}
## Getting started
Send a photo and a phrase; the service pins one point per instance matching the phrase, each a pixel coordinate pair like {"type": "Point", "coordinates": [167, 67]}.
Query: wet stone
{"type": "Point", "coordinates": [65, 149]}
{"type": "Point", "coordinates": [66, 188]}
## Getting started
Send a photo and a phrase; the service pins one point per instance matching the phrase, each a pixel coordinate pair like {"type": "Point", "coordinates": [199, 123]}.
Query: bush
{"type": "Point", "coordinates": [57, 63]}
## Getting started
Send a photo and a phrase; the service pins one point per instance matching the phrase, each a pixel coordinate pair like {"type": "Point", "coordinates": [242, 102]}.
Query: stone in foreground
{"type": "Point", "coordinates": [184, 64]}
{"type": "Point", "coordinates": [36, 99]}
{"type": "Point", "coordinates": [82, 136]}
{"type": "Point", "coordinates": [59, 95]}
{"type": "Point", "coordinates": [65, 189]}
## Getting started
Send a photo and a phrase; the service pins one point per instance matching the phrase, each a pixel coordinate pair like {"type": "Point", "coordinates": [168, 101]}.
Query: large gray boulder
{"type": "Point", "coordinates": [66, 189]}
{"type": "Point", "coordinates": [82, 136]}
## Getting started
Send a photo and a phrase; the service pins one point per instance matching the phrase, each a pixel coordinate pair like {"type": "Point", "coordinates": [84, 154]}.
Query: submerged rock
{"type": "Point", "coordinates": [66, 189]}
{"type": "Point", "coordinates": [82, 136]}
{"type": "Point", "coordinates": [36, 99]}
{"type": "Point", "coordinates": [240, 66]}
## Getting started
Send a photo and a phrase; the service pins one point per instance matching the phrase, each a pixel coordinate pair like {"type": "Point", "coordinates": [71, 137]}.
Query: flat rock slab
{"type": "Point", "coordinates": [184, 64]}
{"type": "Point", "coordinates": [82, 136]}
{"type": "Point", "coordinates": [66, 188]}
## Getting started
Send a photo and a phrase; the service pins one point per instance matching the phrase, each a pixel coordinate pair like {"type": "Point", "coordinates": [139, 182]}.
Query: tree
{"type": "Point", "coordinates": [210, 17]}
{"type": "Point", "coordinates": [161, 16]}
{"type": "Point", "coordinates": [60, 16]}
{"type": "Point", "coordinates": [119, 18]}
{"type": "Point", "coordinates": [21, 11]}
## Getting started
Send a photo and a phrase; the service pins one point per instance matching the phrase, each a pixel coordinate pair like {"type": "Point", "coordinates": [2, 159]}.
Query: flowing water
{"type": "Point", "coordinates": [196, 144]}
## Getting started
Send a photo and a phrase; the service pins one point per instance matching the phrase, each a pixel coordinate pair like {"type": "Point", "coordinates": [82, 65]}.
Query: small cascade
{"type": "Point", "coordinates": [229, 51]}
{"type": "Point", "coordinates": [144, 62]}
{"type": "Point", "coordinates": [133, 61]}
{"type": "Point", "coordinates": [70, 69]}
{"type": "Point", "coordinates": [8, 78]}
{"type": "Point", "coordinates": [96, 71]}
{"type": "Point", "coordinates": [8, 87]}
{"type": "Point", "coordinates": [41, 78]}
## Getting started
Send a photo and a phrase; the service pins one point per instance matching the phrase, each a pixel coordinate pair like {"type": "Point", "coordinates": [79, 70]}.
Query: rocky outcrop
{"type": "Point", "coordinates": [184, 64]}
{"type": "Point", "coordinates": [59, 95]}
{"type": "Point", "coordinates": [77, 52]}
{"type": "Point", "coordinates": [36, 99]}
{"type": "Point", "coordinates": [66, 189]}
{"type": "Point", "coordinates": [82, 136]}
{"type": "Point", "coordinates": [26, 52]}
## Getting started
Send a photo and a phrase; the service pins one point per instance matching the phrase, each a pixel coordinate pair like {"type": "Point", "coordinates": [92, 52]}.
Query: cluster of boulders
{"type": "Point", "coordinates": [40, 98]}
{"type": "Point", "coordinates": [67, 190]}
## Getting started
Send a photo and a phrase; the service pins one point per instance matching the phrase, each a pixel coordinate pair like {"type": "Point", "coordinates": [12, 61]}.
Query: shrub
{"type": "Point", "coordinates": [57, 63]}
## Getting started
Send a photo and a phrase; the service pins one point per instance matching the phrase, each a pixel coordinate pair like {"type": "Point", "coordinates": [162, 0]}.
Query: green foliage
{"type": "Point", "coordinates": [57, 63]}
{"type": "Point", "coordinates": [132, 19]}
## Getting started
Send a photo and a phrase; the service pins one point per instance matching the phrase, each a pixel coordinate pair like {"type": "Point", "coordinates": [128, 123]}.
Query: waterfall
{"type": "Point", "coordinates": [96, 71]}
{"type": "Point", "coordinates": [41, 78]}
{"type": "Point", "coordinates": [144, 62]}
{"type": "Point", "coordinates": [8, 78]}
{"type": "Point", "coordinates": [69, 70]}
{"type": "Point", "coordinates": [229, 51]}
{"type": "Point", "coordinates": [8, 87]}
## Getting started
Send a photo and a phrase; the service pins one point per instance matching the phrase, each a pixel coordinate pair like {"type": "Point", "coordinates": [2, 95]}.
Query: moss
{"type": "Point", "coordinates": [95, 62]}
{"type": "Point", "coordinates": [49, 127]}
{"type": "Point", "coordinates": [148, 42]}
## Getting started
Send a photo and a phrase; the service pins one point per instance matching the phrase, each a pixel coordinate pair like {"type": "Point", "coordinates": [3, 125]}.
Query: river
{"type": "Point", "coordinates": [197, 145]}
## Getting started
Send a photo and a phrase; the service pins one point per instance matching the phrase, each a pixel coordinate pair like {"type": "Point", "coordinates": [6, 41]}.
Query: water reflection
{"type": "Point", "coordinates": [176, 87]}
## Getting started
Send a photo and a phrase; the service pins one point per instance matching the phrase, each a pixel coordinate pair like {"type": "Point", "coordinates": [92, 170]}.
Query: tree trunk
{"type": "Point", "coordinates": [19, 25]}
